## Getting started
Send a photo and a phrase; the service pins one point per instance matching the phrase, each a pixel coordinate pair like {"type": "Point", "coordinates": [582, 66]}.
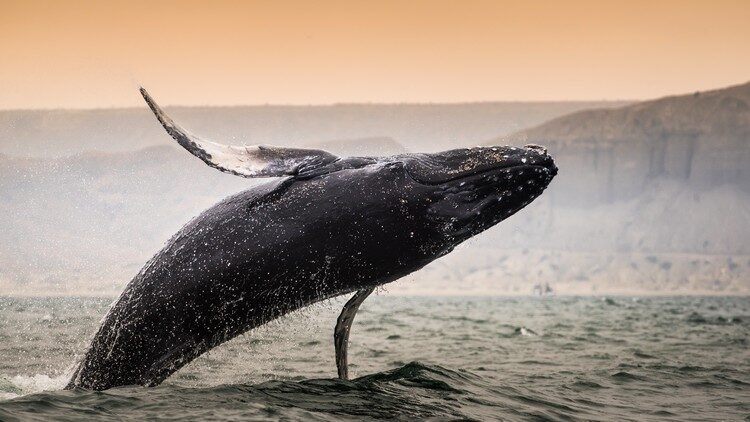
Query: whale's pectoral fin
{"type": "Point", "coordinates": [248, 160]}
{"type": "Point", "coordinates": [343, 327]}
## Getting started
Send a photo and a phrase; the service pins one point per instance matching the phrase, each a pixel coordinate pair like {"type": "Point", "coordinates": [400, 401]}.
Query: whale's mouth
{"type": "Point", "coordinates": [481, 194]}
{"type": "Point", "coordinates": [500, 191]}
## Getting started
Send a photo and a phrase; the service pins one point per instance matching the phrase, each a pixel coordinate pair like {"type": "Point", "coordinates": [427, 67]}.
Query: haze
{"type": "Point", "coordinates": [639, 207]}
{"type": "Point", "coordinates": [88, 54]}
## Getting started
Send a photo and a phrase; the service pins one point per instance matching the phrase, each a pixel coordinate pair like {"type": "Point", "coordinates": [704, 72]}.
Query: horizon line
{"type": "Point", "coordinates": [334, 104]}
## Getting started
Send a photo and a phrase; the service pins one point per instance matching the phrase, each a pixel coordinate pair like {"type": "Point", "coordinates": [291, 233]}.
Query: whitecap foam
{"type": "Point", "coordinates": [526, 332]}
{"type": "Point", "coordinates": [19, 385]}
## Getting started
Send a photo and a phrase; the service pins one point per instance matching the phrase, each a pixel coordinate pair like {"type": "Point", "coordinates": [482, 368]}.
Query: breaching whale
{"type": "Point", "coordinates": [326, 226]}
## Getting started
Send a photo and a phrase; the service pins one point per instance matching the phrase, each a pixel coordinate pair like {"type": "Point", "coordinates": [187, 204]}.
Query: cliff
{"type": "Point", "coordinates": [702, 139]}
{"type": "Point", "coordinates": [653, 196]}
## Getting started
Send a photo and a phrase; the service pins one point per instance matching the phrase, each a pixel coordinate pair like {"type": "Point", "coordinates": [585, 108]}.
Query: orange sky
{"type": "Point", "coordinates": [95, 53]}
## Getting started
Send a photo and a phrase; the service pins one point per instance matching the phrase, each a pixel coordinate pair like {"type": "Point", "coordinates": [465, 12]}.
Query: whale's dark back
{"type": "Point", "coordinates": [254, 257]}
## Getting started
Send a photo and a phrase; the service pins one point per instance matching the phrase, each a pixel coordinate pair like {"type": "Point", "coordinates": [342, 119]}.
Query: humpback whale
{"type": "Point", "coordinates": [324, 226]}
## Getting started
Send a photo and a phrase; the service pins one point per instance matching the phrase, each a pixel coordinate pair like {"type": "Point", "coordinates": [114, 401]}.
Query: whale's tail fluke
{"type": "Point", "coordinates": [246, 160]}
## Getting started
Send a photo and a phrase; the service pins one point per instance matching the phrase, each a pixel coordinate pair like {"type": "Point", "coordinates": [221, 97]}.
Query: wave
{"type": "Point", "coordinates": [414, 390]}
{"type": "Point", "coordinates": [18, 385]}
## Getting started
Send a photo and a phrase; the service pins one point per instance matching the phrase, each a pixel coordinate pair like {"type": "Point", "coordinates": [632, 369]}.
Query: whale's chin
{"type": "Point", "coordinates": [470, 205]}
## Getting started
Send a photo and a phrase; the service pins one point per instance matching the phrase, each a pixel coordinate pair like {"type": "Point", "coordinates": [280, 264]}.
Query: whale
{"type": "Point", "coordinates": [320, 226]}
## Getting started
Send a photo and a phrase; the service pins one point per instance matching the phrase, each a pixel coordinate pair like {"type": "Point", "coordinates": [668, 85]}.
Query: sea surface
{"type": "Point", "coordinates": [552, 358]}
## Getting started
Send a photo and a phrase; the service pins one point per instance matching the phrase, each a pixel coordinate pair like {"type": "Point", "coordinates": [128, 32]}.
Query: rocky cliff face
{"type": "Point", "coordinates": [701, 139]}
{"type": "Point", "coordinates": [654, 194]}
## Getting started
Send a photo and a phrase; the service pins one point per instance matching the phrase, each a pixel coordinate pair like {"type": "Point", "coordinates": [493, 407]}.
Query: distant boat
{"type": "Point", "coordinates": [543, 290]}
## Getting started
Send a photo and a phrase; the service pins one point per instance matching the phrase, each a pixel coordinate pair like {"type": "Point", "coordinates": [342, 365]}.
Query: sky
{"type": "Point", "coordinates": [94, 54]}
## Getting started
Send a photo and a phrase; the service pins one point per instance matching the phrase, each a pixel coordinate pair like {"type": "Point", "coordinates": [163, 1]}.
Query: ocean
{"type": "Point", "coordinates": [482, 358]}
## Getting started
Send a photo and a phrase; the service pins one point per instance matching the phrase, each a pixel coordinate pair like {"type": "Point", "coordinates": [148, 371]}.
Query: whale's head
{"type": "Point", "coordinates": [470, 190]}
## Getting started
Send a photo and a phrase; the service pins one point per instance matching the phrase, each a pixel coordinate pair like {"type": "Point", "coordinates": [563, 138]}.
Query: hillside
{"type": "Point", "coordinates": [722, 114]}
{"type": "Point", "coordinates": [655, 194]}
{"type": "Point", "coordinates": [702, 138]}
{"type": "Point", "coordinates": [60, 133]}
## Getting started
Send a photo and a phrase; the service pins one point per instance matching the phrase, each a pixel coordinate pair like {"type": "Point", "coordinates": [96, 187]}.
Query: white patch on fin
{"type": "Point", "coordinates": [245, 161]}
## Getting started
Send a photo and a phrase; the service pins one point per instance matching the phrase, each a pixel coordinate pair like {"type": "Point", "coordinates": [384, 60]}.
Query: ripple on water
{"type": "Point", "coordinates": [590, 360]}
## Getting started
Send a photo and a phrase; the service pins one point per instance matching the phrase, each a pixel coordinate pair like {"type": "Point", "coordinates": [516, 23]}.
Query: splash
{"type": "Point", "coordinates": [19, 385]}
